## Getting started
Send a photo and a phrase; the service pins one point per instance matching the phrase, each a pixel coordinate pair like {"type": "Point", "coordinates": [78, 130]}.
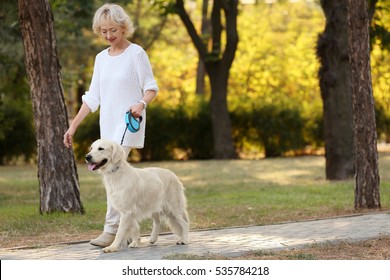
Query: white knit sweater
{"type": "Point", "coordinates": [118, 82]}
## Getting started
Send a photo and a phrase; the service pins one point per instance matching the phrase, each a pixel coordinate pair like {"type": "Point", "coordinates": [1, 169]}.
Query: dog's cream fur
{"type": "Point", "coordinates": [139, 194]}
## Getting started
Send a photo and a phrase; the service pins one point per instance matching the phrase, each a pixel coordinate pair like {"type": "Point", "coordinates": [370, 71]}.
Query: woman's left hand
{"type": "Point", "coordinates": [136, 110]}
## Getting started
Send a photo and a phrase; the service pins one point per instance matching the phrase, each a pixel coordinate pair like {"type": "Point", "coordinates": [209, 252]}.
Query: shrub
{"type": "Point", "coordinates": [382, 123]}
{"type": "Point", "coordinates": [279, 129]}
{"type": "Point", "coordinates": [181, 128]}
{"type": "Point", "coordinates": [17, 136]}
{"type": "Point", "coordinates": [275, 129]}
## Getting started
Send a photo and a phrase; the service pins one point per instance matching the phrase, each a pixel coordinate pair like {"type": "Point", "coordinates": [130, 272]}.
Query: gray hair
{"type": "Point", "coordinates": [117, 15]}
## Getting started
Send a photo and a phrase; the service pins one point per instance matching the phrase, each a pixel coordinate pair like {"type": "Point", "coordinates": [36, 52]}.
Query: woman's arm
{"type": "Point", "coordinates": [148, 97]}
{"type": "Point", "coordinates": [68, 136]}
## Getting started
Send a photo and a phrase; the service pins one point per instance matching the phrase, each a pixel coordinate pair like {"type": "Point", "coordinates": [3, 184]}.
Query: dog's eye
{"type": "Point", "coordinates": [101, 149]}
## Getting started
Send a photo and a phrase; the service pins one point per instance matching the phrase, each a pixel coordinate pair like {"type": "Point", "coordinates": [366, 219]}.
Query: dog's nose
{"type": "Point", "coordinates": [88, 157]}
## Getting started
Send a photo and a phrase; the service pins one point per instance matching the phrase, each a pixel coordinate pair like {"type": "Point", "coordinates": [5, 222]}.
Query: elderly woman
{"type": "Point", "coordinates": [122, 80]}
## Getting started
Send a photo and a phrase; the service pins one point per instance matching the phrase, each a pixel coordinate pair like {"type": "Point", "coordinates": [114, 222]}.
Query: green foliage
{"type": "Point", "coordinates": [278, 129]}
{"type": "Point", "coordinates": [16, 132]}
{"type": "Point", "coordinates": [160, 138]}
{"type": "Point", "coordinates": [382, 117]}
{"type": "Point", "coordinates": [71, 16]}
{"type": "Point", "coordinates": [380, 72]}
{"type": "Point", "coordinates": [379, 32]}
{"type": "Point", "coordinates": [149, 22]}
{"type": "Point", "coordinates": [199, 133]}
{"type": "Point", "coordinates": [313, 132]}
{"type": "Point", "coordinates": [16, 120]}
{"type": "Point", "coordinates": [165, 7]}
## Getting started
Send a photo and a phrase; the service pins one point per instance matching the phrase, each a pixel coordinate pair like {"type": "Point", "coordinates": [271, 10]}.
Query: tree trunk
{"type": "Point", "coordinates": [57, 173]}
{"type": "Point", "coordinates": [205, 35]}
{"type": "Point", "coordinates": [366, 153]}
{"type": "Point", "coordinates": [335, 85]}
{"type": "Point", "coordinates": [200, 78]}
{"type": "Point", "coordinates": [221, 123]}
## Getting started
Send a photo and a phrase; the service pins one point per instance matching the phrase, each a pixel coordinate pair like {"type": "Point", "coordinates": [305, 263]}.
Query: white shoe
{"type": "Point", "coordinates": [104, 240]}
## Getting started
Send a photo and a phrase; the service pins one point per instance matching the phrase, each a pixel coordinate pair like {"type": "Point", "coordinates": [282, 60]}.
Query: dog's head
{"type": "Point", "coordinates": [104, 155]}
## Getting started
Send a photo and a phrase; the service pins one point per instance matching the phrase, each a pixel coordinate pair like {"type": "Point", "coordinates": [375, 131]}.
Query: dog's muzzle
{"type": "Point", "coordinates": [92, 166]}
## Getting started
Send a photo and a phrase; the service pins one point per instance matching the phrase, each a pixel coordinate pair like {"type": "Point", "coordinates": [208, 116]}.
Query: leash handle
{"type": "Point", "coordinates": [128, 119]}
{"type": "Point", "coordinates": [131, 121]}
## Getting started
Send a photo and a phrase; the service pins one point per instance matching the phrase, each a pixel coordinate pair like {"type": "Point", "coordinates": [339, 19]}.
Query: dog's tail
{"type": "Point", "coordinates": [178, 219]}
{"type": "Point", "coordinates": [182, 198]}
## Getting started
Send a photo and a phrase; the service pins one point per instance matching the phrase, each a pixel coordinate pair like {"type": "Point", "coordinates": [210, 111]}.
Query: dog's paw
{"type": "Point", "coordinates": [153, 240]}
{"type": "Point", "coordinates": [128, 241]}
{"type": "Point", "coordinates": [134, 244]}
{"type": "Point", "coordinates": [110, 249]}
{"type": "Point", "coordinates": [181, 242]}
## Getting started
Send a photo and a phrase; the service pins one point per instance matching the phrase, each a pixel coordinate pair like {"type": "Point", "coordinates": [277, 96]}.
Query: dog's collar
{"type": "Point", "coordinates": [114, 169]}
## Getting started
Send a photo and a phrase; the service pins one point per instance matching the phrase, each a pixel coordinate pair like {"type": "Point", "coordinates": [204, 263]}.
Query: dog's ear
{"type": "Point", "coordinates": [118, 153]}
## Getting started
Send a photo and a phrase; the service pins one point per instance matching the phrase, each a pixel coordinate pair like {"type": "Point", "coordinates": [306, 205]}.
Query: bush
{"type": "Point", "coordinates": [17, 136]}
{"type": "Point", "coordinates": [186, 133]}
{"type": "Point", "coordinates": [169, 130]}
{"type": "Point", "coordinates": [199, 137]}
{"type": "Point", "coordinates": [164, 129]}
{"type": "Point", "coordinates": [277, 129]}
{"type": "Point", "coordinates": [313, 132]}
{"type": "Point", "coordinates": [280, 129]}
{"type": "Point", "coordinates": [382, 123]}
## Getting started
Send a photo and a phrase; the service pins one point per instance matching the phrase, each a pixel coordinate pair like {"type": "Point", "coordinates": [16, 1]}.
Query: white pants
{"type": "Point", "coordinates": [113, 216]}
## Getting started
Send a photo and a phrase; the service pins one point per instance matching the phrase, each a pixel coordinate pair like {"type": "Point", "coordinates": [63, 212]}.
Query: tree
{"type": "Point", "coordinates": [205, 34]}
{"type": "Point", "coordinates": [149, 23]}
{"type": "Point", "coordinates": [217, 61]}
{"type": "Point", "coordinates": [335, 85]}
{"type": "Point", "coordinates": [366, 154]}
{"type": "Point", "coordinates": [57, 173]}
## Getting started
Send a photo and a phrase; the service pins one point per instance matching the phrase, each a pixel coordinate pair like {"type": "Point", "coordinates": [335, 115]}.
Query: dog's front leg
{"type": "Point", "coordinates": [121, 237]}
{"type": "Point", "coordinates": [134, 233]}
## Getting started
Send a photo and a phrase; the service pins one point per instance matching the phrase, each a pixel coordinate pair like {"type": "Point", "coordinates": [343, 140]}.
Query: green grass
{"type": "Point", "coordinates": [219, 193]}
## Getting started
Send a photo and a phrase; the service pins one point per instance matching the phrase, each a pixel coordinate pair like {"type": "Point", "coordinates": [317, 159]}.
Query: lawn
{"type": "Point", "coordinates": [220, 194]}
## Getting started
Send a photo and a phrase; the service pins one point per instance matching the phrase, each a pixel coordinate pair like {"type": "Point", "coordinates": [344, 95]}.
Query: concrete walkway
{"type": "Point", "coordinates": [227, 242]}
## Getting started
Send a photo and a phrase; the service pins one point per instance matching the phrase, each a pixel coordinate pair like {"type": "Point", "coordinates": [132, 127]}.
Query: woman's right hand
{"type": "Point", "coordinates": [68, 137]}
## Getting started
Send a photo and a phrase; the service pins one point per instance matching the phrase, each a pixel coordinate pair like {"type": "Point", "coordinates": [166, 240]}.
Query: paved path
{"type": "Point", "coordinates": [227, 242]}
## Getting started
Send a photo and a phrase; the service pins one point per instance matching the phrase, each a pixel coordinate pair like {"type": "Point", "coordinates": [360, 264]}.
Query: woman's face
{"type": "Point", "coordinates": [112, 33]}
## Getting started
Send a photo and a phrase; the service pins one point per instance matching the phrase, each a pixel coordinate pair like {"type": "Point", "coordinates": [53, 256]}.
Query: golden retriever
{"type": "Point", "coordinates": [138, 194]}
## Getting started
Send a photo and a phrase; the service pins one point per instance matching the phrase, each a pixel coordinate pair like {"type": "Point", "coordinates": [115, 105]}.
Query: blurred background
{"type": "Point", "coordinates": [274, 99]}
